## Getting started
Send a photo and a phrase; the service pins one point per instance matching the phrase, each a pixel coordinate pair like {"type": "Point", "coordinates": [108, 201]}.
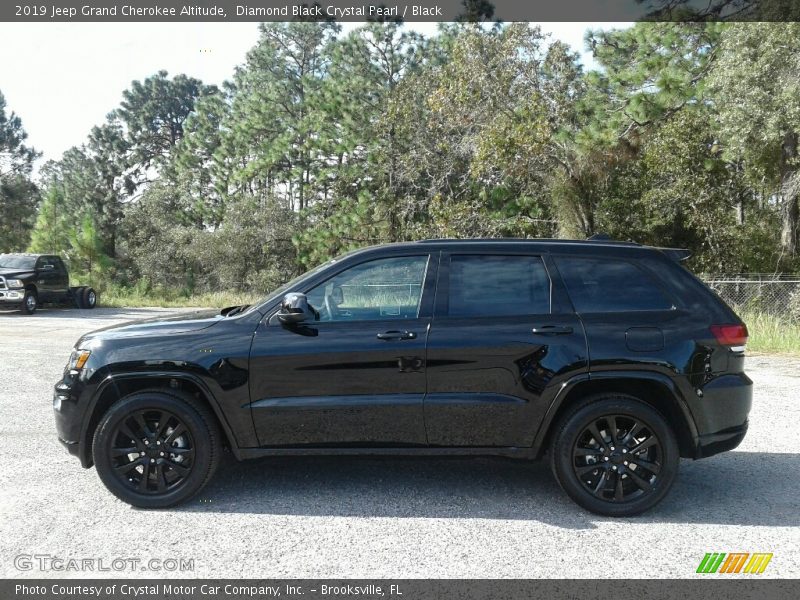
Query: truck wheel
{"type": "Point", "coordinates": [614, 455]}
{"type": "Point", "coordinates": [77, 296]}
{"type": "Point", "coordinates": [30, 302]}
{"type": "Point", "coordinates": [89, 298]}
{"type": "Point", "coordinates": [156, 448]}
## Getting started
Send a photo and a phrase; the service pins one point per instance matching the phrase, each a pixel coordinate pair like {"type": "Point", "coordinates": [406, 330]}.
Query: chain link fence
{"type": "Point", "coordinates": [777, 295]}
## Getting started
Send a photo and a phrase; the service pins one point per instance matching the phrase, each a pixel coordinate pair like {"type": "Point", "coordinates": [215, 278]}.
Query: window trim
{"type": "Point", "coordinates": [669, 297]}
{"type": "Point", "coordinates": [442, 306]}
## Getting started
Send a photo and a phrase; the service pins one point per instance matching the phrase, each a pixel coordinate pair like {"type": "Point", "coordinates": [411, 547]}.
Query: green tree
{"type": "Point", "coordinates": [757, 99]}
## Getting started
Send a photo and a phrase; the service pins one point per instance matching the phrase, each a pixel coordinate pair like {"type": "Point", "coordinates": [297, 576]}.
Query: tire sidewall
{"type": "Point", "coordinates": [574, 425]}
{"type": "Point", "coordinates": [25, 308]}
{"type": "Point", "coordinates": [199, 429]}
{"type": "Point", "coordinates": [86, 298]}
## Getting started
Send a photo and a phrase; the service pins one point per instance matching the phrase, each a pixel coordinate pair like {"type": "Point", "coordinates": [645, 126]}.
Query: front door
{"type": "Point", "coordinates": [503, 339]}
{"type": "Point", "coordinates": [355, 377]}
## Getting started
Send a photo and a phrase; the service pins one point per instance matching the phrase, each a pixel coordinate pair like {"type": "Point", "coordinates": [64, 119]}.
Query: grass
{"type": "Point", "coordinates": [119, 297]}
{"type": "Point", "coordinates": [770, 334]}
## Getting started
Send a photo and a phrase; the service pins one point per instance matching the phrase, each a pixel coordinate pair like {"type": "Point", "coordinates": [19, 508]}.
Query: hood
{"type": "Point", "coordinates": [5, 272]}
{"type": "Point", "coordinates": [193, 321]}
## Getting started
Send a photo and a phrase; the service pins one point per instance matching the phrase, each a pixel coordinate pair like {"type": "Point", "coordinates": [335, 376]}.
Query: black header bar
{"type": "Point", "coordinates": [382, 10]}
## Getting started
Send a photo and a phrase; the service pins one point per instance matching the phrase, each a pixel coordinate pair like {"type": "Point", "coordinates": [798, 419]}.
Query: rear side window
{"type": "Point", "coordinates": [497, 286]}
{"type": "Point", "coordinates": [610, 286]}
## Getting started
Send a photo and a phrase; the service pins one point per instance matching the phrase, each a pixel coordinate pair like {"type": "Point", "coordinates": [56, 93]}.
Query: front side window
{"type": "Point", "coordinates": [486, 285]}
{"type": "Point", "coordinates": [388, 288]}
{"type": "Point", "coordinates": [597, 286]}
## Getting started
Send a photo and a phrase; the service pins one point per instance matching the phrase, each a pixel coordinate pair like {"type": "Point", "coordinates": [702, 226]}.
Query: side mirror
{"type": "Point", "coordinates": [296, 309]}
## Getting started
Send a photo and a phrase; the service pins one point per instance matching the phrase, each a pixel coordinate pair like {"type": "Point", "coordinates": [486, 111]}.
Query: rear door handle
{"type": "Point", "coordinates": [552, 330]}
{"type": "Point", "coordinates": [397, 335]}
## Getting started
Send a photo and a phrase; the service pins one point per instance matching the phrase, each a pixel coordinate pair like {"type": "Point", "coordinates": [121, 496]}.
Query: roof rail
{"type": "Point", "coordinates": [592, 240]}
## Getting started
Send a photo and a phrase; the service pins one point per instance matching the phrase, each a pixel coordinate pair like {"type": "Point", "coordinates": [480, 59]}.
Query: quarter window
{"type": "Point", "coordinates": [610, 286]}
{"type": "Point", "coordinates": [384, 289]}
{"type": "Point", "coordinates": [483, 286]}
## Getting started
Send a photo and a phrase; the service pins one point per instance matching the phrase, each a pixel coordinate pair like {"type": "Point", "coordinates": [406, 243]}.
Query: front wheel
{"type": "Point", "coordinates": [614, 455]}
{"type": "Point", "coordinates": [30, 302]}
{"type": "Point", "coordinates": [156, 448]}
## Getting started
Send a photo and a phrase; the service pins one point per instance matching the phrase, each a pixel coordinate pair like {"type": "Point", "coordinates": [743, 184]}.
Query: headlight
{"type": "Point", "coordinates": [78, 358]}
{"type": "Point", "coordinates": [14, 283]}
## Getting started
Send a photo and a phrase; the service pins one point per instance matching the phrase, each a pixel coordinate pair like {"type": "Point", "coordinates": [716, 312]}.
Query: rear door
{"type": "Point", "coordinates": [502, 340]}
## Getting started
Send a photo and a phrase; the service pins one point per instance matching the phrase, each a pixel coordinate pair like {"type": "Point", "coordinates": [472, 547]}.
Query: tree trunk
{"type": "Point", "coordinates": [790, 216]}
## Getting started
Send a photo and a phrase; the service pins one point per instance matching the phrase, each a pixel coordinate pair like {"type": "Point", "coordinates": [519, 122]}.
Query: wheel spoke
{"type": "Point", "coordinates": [601, 483]}
{"type": "Point", "coordinates": [612, 430]}
{"type": "Point", "coordinates": [145, 477]}
{"type": "Point", "coordinates": [596, 435]}
{"type": "Point", "coordinates": [587, 452]}
{"type": "Point", "coordinates": [126, 431]}
{"type": "Point", "coordinates": [631, 432]}
{"type": "Point", "coordinates": [163, 423]}
{"type": "Point", "coordinates": [139, 418]}
{"type": "Point", "coordinates": [640, 483]}
{"type": "Point", "coordinates": [581, 471]}
{"type": "Point", "coordinates": [618, 493]}
{"type": "Point", "coordinates": [179, 469]}
{"type": "Point", "coordinates": [128, 467]}
{"type": "Point", "coordinates": [117, 452]}
{"type": "Point", "coordinates": [177, 432]}
{"type": "Point", "coordinates": [161, 478]}
{"type": "Point", "coordinates": [653, 467]}
{"type": "Point", "coordinates": [644, 445]}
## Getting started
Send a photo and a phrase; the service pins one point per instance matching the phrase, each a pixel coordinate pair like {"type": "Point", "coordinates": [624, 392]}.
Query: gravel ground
{"type": "Point", "coordinates": [387, 517]}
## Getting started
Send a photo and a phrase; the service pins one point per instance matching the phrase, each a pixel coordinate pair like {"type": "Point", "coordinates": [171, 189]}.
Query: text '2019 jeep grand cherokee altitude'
{"type": "Point", "coordinates": [609, 357]}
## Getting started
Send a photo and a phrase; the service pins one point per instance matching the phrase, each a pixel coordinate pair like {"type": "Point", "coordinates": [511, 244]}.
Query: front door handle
{"type": "Point", "coordinates": [397, 335]}
{"type": "Point", "coordinates": [552, 330]}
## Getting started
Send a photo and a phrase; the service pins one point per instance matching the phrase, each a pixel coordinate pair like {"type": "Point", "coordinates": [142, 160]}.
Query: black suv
{"type": "Point", "coordinates": [609, 357]}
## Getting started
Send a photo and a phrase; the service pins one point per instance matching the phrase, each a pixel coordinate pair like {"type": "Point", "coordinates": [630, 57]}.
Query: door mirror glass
{"type": "Point", "coordinates": [296, 309]}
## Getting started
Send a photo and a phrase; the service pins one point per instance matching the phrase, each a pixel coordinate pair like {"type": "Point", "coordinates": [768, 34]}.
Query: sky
{"type": "Point", "coordinates": [63, 78]}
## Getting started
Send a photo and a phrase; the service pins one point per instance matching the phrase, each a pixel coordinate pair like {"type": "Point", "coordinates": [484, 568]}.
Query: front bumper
{"type": "Point", "coordinates": [68, 410]}
{"type": "Point", "coordinates": [12, 296]}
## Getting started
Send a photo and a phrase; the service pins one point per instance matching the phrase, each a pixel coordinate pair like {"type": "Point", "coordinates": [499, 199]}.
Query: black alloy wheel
{"type": "Point", "coordinates": [615, 455]}
{"type": "Point", "coordinates": [617, 458]}
{"type": "Point", "coordinates": [157, 448]}
{"type": "Point", "coordinates": [152, 451]}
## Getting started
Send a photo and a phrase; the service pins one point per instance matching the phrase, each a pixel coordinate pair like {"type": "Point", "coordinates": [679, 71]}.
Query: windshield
{"type": "Point", "coordinates": [14, 261]}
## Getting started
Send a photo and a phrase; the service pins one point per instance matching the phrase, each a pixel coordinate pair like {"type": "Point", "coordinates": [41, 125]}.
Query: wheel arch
{"type": "Point", "coordinates": [116, 387]}
{"type": "Point", "coordinates": [654, 389]}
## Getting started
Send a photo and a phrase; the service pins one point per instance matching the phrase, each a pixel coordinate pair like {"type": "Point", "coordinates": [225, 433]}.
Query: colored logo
{"type": "Point", "coordinates": [734, 562]}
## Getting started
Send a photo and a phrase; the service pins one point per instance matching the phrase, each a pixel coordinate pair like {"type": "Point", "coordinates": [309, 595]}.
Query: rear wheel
{"type": "Point", "coordinates": [155, 448]}
{"type": "Point", "coordinates": [88, 297]}
{"type": "Point", "coordinates": [30, 302]}
{"type": "Point", "coordinates": [77, 296]}
{"type": "Point", "coordinates": [614, 455]}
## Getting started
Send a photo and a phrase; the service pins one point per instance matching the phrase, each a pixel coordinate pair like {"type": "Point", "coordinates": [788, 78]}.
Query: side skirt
{"type": "Point", "coordinates": [508, 452]}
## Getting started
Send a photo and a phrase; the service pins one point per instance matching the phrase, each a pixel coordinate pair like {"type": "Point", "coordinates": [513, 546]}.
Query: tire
{"type": "Point", "coordinates": [30, 302]}
{"type": "Point", "coordinates": [621, 482]}
{"type": "Point", "coordinates": [77, 296]}
{"type": "Point", "coordinates": [162, 474]}
{"type": "Point", "coordinates": [88, 298]}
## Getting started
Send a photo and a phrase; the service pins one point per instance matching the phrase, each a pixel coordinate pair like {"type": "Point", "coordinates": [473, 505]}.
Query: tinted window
{"type": "Point", "coordinates": [610, 286]}
{"type": "Point", "coordinates": [10, 261]}
{"type": "Point", "coordinates": [389, 288]}
{"type": "Point", "coordinates": [497, 286]}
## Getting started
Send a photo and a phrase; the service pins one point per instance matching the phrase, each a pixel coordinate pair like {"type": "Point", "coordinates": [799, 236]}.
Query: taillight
{"type": "Point", "coordinates": [733, 336]}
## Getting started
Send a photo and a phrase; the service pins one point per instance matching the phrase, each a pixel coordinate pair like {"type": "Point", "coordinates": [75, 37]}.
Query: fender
{"type": "Point", "coordinates": [113, 379]}
{"type": "Point", "coordinates": [569, 385]}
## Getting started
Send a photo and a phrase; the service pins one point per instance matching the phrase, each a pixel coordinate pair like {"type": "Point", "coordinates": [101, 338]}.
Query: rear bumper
{"type": "Point", "coordinates": [722, 441]}
{"type": "Point", "coordinates": [721, 413]}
